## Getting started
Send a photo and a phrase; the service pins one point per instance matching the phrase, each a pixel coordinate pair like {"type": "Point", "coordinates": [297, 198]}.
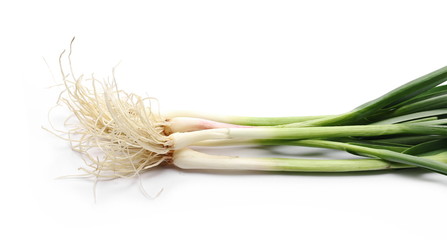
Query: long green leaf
{"type": "Point", "coordinates": [400, 94]}
{"type": "Point", "coordinates": [412, 116]}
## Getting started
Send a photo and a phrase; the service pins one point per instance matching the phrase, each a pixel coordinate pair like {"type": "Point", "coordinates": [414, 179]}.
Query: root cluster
{"type": "Point", "coordinates": [117, 133]}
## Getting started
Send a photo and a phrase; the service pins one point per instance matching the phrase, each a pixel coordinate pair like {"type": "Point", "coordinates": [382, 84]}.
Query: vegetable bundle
{"type": "Point", "coordinates": [121, 134]}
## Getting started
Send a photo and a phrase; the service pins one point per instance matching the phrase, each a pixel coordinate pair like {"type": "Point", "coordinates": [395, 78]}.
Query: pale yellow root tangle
{"type": "Point", "coordinates": [118, 134]}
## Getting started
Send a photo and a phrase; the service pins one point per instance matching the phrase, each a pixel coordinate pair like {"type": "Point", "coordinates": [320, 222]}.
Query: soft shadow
{"type": "Point", "coordinates": [250, 173]}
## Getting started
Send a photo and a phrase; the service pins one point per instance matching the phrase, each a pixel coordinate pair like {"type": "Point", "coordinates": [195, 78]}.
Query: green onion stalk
{"type": "Point", "coordinates": [121, 134]}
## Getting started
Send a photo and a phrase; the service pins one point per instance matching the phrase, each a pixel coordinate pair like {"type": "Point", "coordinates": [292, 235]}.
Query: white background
{"type": "Point", "coordinates": [259, 58]}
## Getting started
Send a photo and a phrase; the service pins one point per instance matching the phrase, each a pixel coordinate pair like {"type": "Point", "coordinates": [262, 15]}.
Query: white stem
{"type": "Point", "coordinates": [183, 124]}
{"type": "Point", "coordinates": [213, 117]}
{"type": "Point", "coordinates": [185, 139]}
{"type": "Point", "coordinates": [188, 124]}
{"type": "Point", "coordinates": [190, 159]}
{"type": "Point", "coordinates": [226, 142]}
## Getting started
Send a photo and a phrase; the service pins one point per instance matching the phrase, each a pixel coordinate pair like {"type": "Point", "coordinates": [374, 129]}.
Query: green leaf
{"type": "Point", "coordinates": [412, 116]}
{"type": "Point", "coordinates": [434, 92]}
{"type": "Point", "coordinates": [427, 147]}
{"type": "Point", "coordinates": [396, 96]}
{"type": "Point", "coordinates": [423, 105]}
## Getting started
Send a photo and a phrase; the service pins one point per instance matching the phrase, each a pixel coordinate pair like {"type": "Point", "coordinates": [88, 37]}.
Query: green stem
{"type": "Point", "coordinates": [336, 131]}
{"type": "Point", "coordinates": [271, 121]}
{"type": "Point", "coordinates": [334, 165]}
{"type": "Point", "coordinates": [424, 162]}
{"type": "Point", "coordinates": [405, 141]}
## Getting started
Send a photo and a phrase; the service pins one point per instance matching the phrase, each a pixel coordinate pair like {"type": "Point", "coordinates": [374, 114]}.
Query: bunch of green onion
{"type": "Point", "coordinates": [122, 135]}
